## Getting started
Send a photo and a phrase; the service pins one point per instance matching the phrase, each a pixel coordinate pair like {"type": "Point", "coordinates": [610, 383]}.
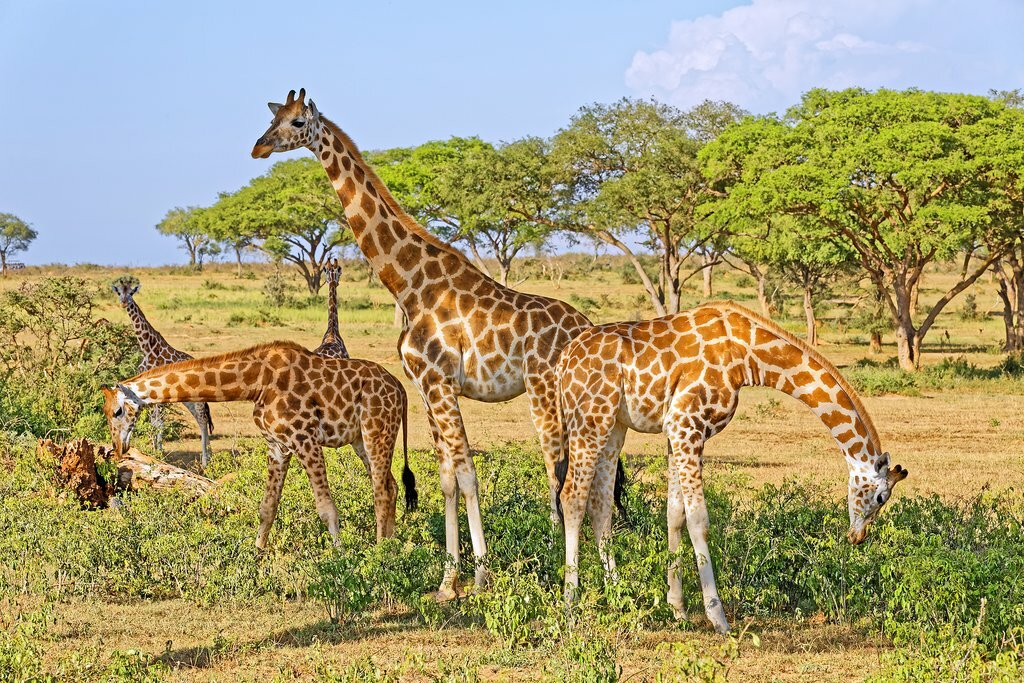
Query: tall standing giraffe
{"type": "Point", "coordinates": [156, 352]}
{"type": "Point", "coordinates": [302, 402]}
{"type": "Point", "coordinates": [465, 334]}
{"type": "Point", "coordinates": [681, 374]}
{"type": "Point", "coordinates": [332, 346]}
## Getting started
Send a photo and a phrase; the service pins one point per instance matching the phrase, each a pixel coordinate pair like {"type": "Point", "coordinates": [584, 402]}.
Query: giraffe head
{"type": "Point", "coordinates": [332, 271]}
{"type": "Point", "coordinates": [296, 124]}
{"type": "Point", "coordinates": [125, 288]}
{"type": "Point", "coordinates": [121, 407]}
{"type": "Point", "coordinates": [870, 489]}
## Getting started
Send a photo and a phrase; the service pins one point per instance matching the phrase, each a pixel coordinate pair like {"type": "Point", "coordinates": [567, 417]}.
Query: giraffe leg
{"type": "Point", "coordinates": [541, 388]}
{"type": "Point", "coordinates": [311, 455]}
{"type": "Point", "coordinates": [385, 489]}
{"type": "Point", "coordinates": [277, 467]}
{"type": "Point", "coordinates": [600, 506]}
{"type": "Point", "coordinates": [200, 411]}
{"type": "Point", "coordinates": [587, 451]}
{"type": "Point", "coordinates": [156, 419]}
{"type": "Point", "coordinates": [457, 474]}
{"type": "Point", "coordinates": [688, 494]}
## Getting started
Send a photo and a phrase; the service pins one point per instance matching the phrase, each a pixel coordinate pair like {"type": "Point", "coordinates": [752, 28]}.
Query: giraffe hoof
{"type": "Point", "coordinates": [445, 594]}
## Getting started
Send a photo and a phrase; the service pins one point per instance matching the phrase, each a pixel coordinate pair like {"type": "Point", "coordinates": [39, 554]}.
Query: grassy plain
{"type": "Point", "coordinates": [956, 442]}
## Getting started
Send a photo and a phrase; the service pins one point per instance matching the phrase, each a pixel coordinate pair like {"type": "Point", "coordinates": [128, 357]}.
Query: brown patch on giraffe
{"type": "Point", "coordinates": [386, 241]}
{"type": "Point", "coordinates": [368, 206]}
{"type": "Point", "coordinates": [347, 191]}
{"type": "Point", "coordinates": [333, 172]}
{"type": "Point", "coordinates": [346, 163]}
{"type": "Point", "coordinates": [408, 256]}
{"type": "Point", "coordinates": [390, 278]}
{"type": "Point", "coordinates": [359, 174]}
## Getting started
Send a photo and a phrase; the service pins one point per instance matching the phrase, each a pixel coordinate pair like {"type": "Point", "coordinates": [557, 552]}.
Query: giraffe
{"type": "Point", "coordinates": [156, 352]}
{"type": "Point", "coordinates": [332, 346]}
{"type": "Point", "coordinates": [681, 375]}
{"type": "Point", "coordinates": [465, 335]}
{"type": "Point", "coordinates": [302, 402]}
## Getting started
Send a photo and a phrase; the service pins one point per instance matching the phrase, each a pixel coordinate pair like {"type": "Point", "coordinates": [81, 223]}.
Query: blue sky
{"type": "Point", "coordinates": [114, 112]}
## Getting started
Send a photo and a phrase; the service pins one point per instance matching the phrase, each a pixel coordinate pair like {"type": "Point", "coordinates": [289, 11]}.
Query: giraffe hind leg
{"type": "Point", "coordinates": [201, 413]}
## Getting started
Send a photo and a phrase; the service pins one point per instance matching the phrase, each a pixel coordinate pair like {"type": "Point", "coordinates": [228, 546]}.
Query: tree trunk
{"type": "Point", "coordinates": [652, 292]}
{"type": "Point", "coordinates": [706, 260]}
{"type": "Point", "coordinates": [875, 344]}
{"type": "Point", "coordinates": [503, 269]}
{"type": "Point", "coordinates": [3, 263]}
{"type": "Point", "coordinates": [908, 343]}
{"type": "Point", "coordinates": [238, 260]}
{"type": "Point", "coordinates": [1011, 292]}
{"type": "Point", "coordinates": [812, 329]}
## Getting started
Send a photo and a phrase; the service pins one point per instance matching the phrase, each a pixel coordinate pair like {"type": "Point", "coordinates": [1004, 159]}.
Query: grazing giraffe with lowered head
{"type": "Point", "coordinates": [681, 375]}
{"type": "Point", "coordinates": [156, 352]}
{"type": "Point", "coordinates": [332, 345]}
{"type": "Point", "coordinates": [302, 403]}
{"type": "Point", "coordinates": [465, 334]}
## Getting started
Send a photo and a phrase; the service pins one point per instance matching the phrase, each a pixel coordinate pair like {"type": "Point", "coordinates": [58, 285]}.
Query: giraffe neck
{"type": "Point", "coordinates": [333, 333]}
{"type": "Point", "coordinates": [205, 380]}
{"type": "Point", "coordinates": [777, 359]}
{"type": "Point", "coordinates": [151, 342]}
{"type": "Point", "coordinates": [409, 261]}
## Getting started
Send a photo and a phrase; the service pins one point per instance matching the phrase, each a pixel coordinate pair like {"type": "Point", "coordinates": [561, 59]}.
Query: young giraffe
{"type": "Point", "coordinates": [332, 345]}
{"type": "Point", "coordinates": [681, 374]}
{"type": "Point", "coordinates": [465, 334]}
{"type": "Point", "coordinates": [302, 403]}
{"type": "Point", "coordinates": [156, 352]}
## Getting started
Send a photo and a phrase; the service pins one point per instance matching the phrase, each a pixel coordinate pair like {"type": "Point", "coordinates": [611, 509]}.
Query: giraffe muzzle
{"type": "Point", "coordinates": [262, 150]}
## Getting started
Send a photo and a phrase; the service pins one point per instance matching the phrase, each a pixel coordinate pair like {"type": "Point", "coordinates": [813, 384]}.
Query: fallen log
{"type": "Point", "coordinates": [94, 475]}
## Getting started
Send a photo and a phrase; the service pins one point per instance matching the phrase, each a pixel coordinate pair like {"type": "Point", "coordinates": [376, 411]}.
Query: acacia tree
{"type": "Point", "coordinates": [893, 174]}
{"type": "Point", "coordinates": [1001, 141]}
{"type": "Point", "coordinates": [462, 189]}
{"type": "Point", "coordinates": [15, 236]}
{"type": "Point", "coordinates": [291, 213]}
{"type": "Point", "coordinates": [223, 225]}
{"type": "Point", "coordinates": [632, 166]}
{"type": "Point", "coordinates": [185, 225]}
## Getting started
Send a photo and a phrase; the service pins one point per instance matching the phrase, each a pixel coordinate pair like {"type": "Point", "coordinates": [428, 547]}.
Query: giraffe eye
{"type": "Point", "coordinates": [299, 123]}
{"type": "Point", "coordinates": [882, 497]}
{"type": "Point", "coordinates": [119, 412]}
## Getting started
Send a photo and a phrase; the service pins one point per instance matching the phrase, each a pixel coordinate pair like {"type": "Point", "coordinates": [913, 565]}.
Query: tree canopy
{"type": "Point", "coordinates": [15, 236]}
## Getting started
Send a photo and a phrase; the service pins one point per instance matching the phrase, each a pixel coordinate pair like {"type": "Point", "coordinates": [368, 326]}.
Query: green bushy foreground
{"type": "Point", "coordinates": [944, 581]}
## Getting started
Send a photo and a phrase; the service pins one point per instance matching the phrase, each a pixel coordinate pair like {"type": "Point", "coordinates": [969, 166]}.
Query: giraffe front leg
{"type": "Point", "coordinates": [156, 420]}
{"type": "Point", "coordinates": [685, 469]}
{"type": "Point", "coordinates": [277, 468]}
{"type": "Point", "coordinates": [458, 474]}
{"type": "Point", "coordinates": [201, 413]}
{"type": "Point", "coordinates": [450, 491]}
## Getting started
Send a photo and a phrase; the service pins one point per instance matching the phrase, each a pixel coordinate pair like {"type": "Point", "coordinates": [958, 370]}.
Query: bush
{"type": "Point", "coordinates": [55, 355]}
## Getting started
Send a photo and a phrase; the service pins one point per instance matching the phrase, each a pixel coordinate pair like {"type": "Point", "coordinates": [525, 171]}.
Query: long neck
{"type": "Point", "coordinates": [333, 333]}
{"type": "Point", "coordinates": [775, 359]}
{"type": "Point", "coordinates": [201, 381]}
{"type": "Point", "coordinates": [413, 264]}
{"type": "Point", "coordinates": [151, 342]}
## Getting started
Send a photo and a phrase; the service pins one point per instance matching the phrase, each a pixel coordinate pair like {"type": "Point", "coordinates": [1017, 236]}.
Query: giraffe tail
{"type": "Point", "coordinates": [209, 419]}
{"type": "Point", "coordinates": [412, 497]}
{"type": "Point", "coordinates": [620, 489]}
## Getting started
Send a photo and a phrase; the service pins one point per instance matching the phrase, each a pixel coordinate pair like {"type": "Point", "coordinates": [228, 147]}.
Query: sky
{"type": "Point", "coordinates": [114, 112]}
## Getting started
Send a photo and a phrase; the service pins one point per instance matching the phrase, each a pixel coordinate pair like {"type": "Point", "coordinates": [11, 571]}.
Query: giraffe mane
{"type": "Point", "coordinates": [408, 222]}
{"type": "Point", "coordinates": [221, 357]}
{"type": "Point", "coordinates": [831, 369]}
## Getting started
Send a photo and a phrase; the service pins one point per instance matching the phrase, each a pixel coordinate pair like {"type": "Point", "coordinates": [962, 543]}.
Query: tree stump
{"type": "Point", "coordinates": [93, 475]}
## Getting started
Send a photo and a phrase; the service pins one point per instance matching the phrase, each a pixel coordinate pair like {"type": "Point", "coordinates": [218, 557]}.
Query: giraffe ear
{"type": "Point", "coordinates": [274, 106]}
{"type": "Point", "coordinates": [882, 464]}
{"type": "Point", "coordinates": [136, 287]}
{"type": "Point", "coordinates": [313, 110]}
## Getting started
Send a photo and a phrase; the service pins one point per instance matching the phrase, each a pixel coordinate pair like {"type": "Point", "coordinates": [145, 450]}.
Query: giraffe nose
{"type": "Point", "coordinates": [262, 149]}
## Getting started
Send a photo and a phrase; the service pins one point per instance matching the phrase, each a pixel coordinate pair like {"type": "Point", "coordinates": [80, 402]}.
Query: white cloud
{"type": "Point", "coordinates": [765, 54]}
